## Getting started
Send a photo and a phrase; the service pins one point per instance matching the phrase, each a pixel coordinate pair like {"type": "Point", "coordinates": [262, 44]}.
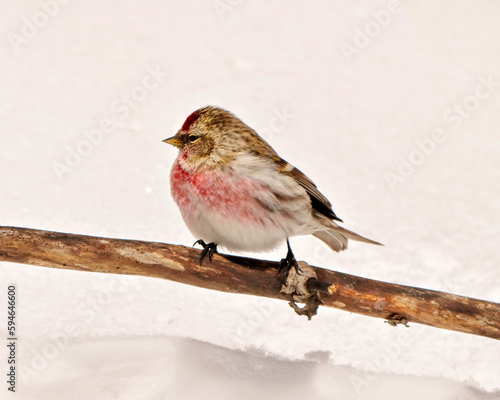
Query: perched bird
{"type": "Point", "coordinates": [234, 190]}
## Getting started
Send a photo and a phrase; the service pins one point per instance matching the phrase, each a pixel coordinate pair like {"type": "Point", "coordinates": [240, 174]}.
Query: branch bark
{"type": "Point", "coordinates": [395, 303]}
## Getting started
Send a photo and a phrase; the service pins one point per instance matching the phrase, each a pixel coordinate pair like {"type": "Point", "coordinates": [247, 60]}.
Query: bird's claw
{"type": "Point", "coordinates": [287, 263]}
{"type": "Point", "coordinates": [208, 249]}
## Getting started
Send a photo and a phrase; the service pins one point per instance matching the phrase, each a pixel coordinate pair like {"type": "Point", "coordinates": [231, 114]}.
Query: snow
{"type": "Point", "coordinates": [400, 133]}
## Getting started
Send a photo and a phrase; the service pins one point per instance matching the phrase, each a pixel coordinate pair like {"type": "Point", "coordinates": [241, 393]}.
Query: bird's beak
{"type": "Point", "coordinates": [174, 141]}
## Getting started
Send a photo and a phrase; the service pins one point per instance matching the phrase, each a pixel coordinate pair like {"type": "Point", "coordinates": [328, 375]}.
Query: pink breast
{"type": "Point", "coordinates": [220, 192]}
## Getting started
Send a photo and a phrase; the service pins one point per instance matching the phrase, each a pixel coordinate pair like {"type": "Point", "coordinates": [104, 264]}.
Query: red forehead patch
{"type": "Point", "coordinates": [190, 120]}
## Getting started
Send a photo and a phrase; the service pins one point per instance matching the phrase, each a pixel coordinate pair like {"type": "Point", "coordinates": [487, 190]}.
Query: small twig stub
{"type": "Point", "coordinates": [396, 319]}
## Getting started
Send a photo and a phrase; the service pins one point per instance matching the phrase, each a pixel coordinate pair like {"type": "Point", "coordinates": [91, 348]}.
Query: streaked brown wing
{"type": "Point", "coordinates": [319, 202]}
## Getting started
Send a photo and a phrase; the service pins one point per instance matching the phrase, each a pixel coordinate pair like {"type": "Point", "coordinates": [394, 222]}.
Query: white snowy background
{"type": "Point", "coordinates": [349, 92]}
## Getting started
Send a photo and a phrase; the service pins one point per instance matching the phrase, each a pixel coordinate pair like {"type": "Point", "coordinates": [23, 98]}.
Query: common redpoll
{"type": "Point", "coordinates": [234, 190]}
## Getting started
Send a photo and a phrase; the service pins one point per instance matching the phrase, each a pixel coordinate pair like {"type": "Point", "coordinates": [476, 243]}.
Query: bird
{"type": "Point", "coordinates": [233, 190]}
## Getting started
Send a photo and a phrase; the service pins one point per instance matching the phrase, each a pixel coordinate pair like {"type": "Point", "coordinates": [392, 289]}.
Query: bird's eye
{"type": "Point", "coordinates": [192, 138]}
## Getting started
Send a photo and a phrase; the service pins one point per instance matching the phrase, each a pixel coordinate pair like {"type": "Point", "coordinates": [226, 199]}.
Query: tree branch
{"type": "Point", "coordinates": [395, 303]}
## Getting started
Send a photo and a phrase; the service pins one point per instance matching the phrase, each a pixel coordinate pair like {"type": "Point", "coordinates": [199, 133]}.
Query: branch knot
{"type": "Point", "coordinates": [297, 284]}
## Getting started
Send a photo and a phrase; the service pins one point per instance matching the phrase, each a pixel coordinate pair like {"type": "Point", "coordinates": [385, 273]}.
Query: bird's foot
{"type": "Point", "coordinates": [287, 263]}
{"type": "Point", "coordinates": [208, 249]}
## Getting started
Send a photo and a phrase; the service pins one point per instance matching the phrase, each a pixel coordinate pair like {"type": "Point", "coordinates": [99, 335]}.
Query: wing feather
{"type": "Point", "coordinates": [318, 201]}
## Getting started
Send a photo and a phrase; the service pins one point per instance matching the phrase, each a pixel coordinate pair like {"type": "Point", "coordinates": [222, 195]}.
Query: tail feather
{"type": "Point", "coordinates": [336, 238]}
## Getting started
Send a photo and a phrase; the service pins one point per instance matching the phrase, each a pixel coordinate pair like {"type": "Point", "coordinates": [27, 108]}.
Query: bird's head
{"type": "Point", "coordinates": [212, 136]}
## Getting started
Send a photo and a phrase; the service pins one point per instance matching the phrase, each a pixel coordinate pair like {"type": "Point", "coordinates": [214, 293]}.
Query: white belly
{"type": "Point", "coordinates": [242, 210]}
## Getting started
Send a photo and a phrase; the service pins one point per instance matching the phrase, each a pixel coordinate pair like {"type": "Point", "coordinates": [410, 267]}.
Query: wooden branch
{"type": "Point", "coordinates": [395, 303]}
